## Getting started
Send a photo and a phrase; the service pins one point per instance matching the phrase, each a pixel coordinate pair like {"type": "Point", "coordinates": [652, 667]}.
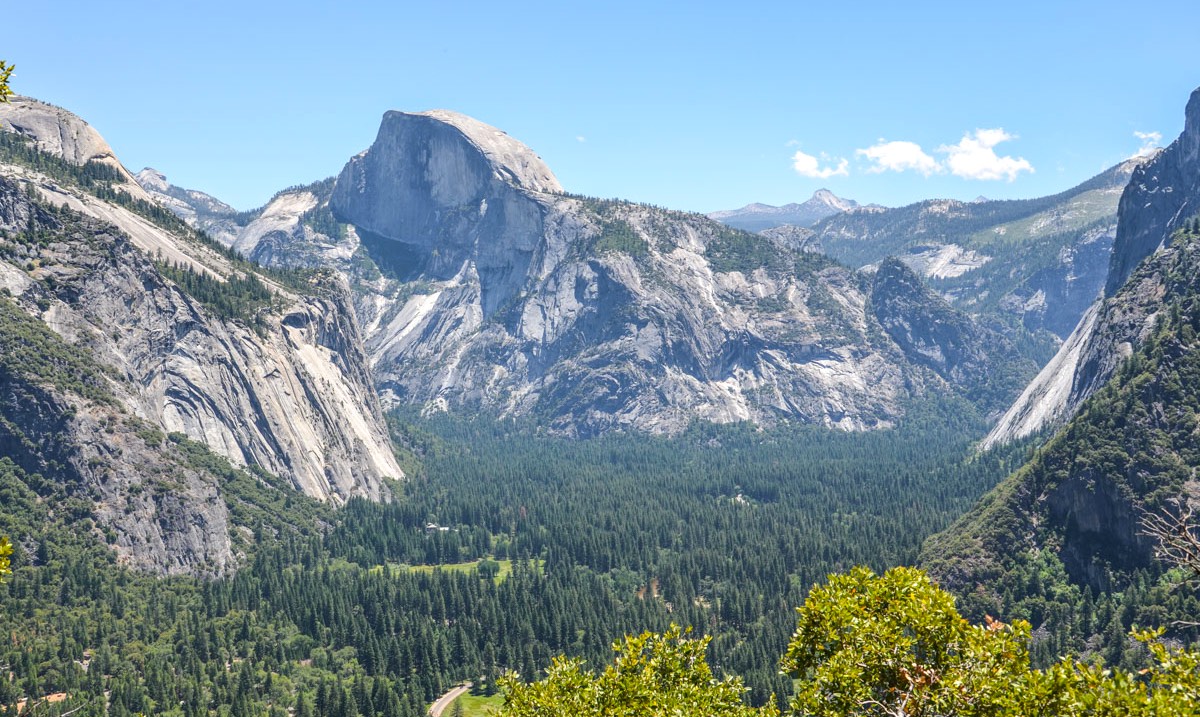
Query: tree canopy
{"type": "Point", "coordinates": [894, 644]}
{"type": "Point", "coordinates": [653, 675]}
{"type": "Point", "coordinates": [872, 645]}
{"type": "Point", "coordinates": [5, 73]}
{"type": "Point", "coordinates": [5, 551]}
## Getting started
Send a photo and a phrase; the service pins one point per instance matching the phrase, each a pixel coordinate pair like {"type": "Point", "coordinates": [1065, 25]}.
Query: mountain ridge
{"type": "Point", "coordinates": [758, 217]}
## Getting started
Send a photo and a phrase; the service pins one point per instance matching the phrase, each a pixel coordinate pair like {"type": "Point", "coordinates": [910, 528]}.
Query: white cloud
{"type": "Point", "coordinates": [809, 166]}
{"type": "Point", "coordinates": [1150, 143]}
{"type": "Point", "coordinates": [974, 157]}
{"type": "Point", "coordinates": [899, 157]}
{"type": "Point", "coordinates": [580, 138]}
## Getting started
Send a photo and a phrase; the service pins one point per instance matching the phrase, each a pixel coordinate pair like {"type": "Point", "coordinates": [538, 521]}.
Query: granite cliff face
{"type": "Point", "coordinates": [1128, 450]}
{"type": "Point", "coordinates": [201, 211]}
{"type": "Point", "coordinates": [980, 361]}
{"type": "Point", "coordinates": [1123, 395]}
{"type": "Point", "coordinates": [57, 132]}
{"type": "Point", "coordinates": [1161, 197]}
{"type": "Point", "coordinates": [453, 191]}
{"type": "Point", "coordinates": [265, 371]}
{"type": "Point", "coordinates": [480, 286]}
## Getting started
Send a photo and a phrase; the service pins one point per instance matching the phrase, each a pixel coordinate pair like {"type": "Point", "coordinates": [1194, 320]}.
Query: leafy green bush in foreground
{"type": "Point", "coordinates": [891, 644]}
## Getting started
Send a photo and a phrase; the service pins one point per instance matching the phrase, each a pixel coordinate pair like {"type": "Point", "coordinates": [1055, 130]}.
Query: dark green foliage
{"type": "Point", "coordinates": [617, 237]}
{"type": "Point", "coordinates": [240, 296]}
{"type": "Point", "coordinates": [28, 348]}
{"type": "Point", "coordinates": [723, 528]}
{"type": "Point", "coordinates": [729, 524]}
{"type": "Point", "coordinates": [18, 149]}
{"type": "Point", "coordinates": [736, 250]}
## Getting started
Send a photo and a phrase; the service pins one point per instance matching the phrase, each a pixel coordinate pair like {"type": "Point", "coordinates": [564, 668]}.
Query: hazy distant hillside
{"type": "Point", "coordinates": [1037, 262]}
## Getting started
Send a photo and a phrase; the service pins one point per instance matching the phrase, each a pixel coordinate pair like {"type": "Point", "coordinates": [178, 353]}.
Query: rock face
{"type": "Point", "coordinates": [1105, 337]}
{"type": "Point", "coordinates": [479, 286]}
{"type": "Point", "coordinates": [264, 373]}
{"type": "Point", "coordinates": [793, 238]}
{"type": "Point", "coordinates": [1127, 451]}
{"type": "Point", "coordinates": [62, 134]}
{"type": "Point", "coordinates": [932, 333]}
{"type": "Point", "coordinates": [201, 211]}
{"type": "Point", "coordinates": [165, 516]}
{"type": "Point", "coordinates": [71, 426]}
{"type": "Point", "coordinates": [453, 190]}
{"type": "Point", "coordinates": [1162, 196]}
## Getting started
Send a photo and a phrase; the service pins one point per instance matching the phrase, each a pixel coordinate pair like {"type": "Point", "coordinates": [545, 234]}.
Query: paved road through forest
{"type": "Point", "coordinates": [444, 702]}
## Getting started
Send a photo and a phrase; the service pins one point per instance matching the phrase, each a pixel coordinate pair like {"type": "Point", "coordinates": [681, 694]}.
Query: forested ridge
{"type": "Point", "coordinates": [1062, 543]}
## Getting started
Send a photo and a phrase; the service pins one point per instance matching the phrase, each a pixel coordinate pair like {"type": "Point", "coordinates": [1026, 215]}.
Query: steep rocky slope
{"type": "Point", "coordinates": [201, 211]}
{"type": "Point", "coordinates": [1131, 449]}
{"type": "Point", "coordinates": [1063, 533]}
{"type": "Point", "coordinates": [266, 371]}
{"type": "Point", "coordinates": [57, 132]}
{"type": "Point", "coordinates": [1162, 196]}
{"type": "Point", "coordinates": [980, 361]}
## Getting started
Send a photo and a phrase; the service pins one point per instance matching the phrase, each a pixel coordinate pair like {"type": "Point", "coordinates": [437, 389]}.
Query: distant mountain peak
{"type": "Point", "coordinates": [759, 217]}
{"type": "Point", "coordinates": [152, 180]}
{"type": "Point", "coordinates": [828, 198]}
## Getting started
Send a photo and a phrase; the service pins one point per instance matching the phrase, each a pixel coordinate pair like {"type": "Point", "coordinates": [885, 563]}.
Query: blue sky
{"type": "Point", "coordinates": [696, 106]}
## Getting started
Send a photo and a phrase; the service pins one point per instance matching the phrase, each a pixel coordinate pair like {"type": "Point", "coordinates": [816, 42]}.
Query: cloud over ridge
{"type": "Point", "coordinates": [807, 165]}
{"type": "Point", "coordinates": [899, 156]}
{"type": "Point", "coordinates": [973, 157]}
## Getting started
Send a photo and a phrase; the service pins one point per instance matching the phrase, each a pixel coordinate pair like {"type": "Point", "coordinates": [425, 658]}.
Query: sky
{"type": "Point", "coordinates": [689, 105]}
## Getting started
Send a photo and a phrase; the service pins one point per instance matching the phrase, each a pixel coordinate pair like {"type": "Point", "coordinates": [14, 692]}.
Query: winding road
{"type": "Point", "coordinates": [443, 702]}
